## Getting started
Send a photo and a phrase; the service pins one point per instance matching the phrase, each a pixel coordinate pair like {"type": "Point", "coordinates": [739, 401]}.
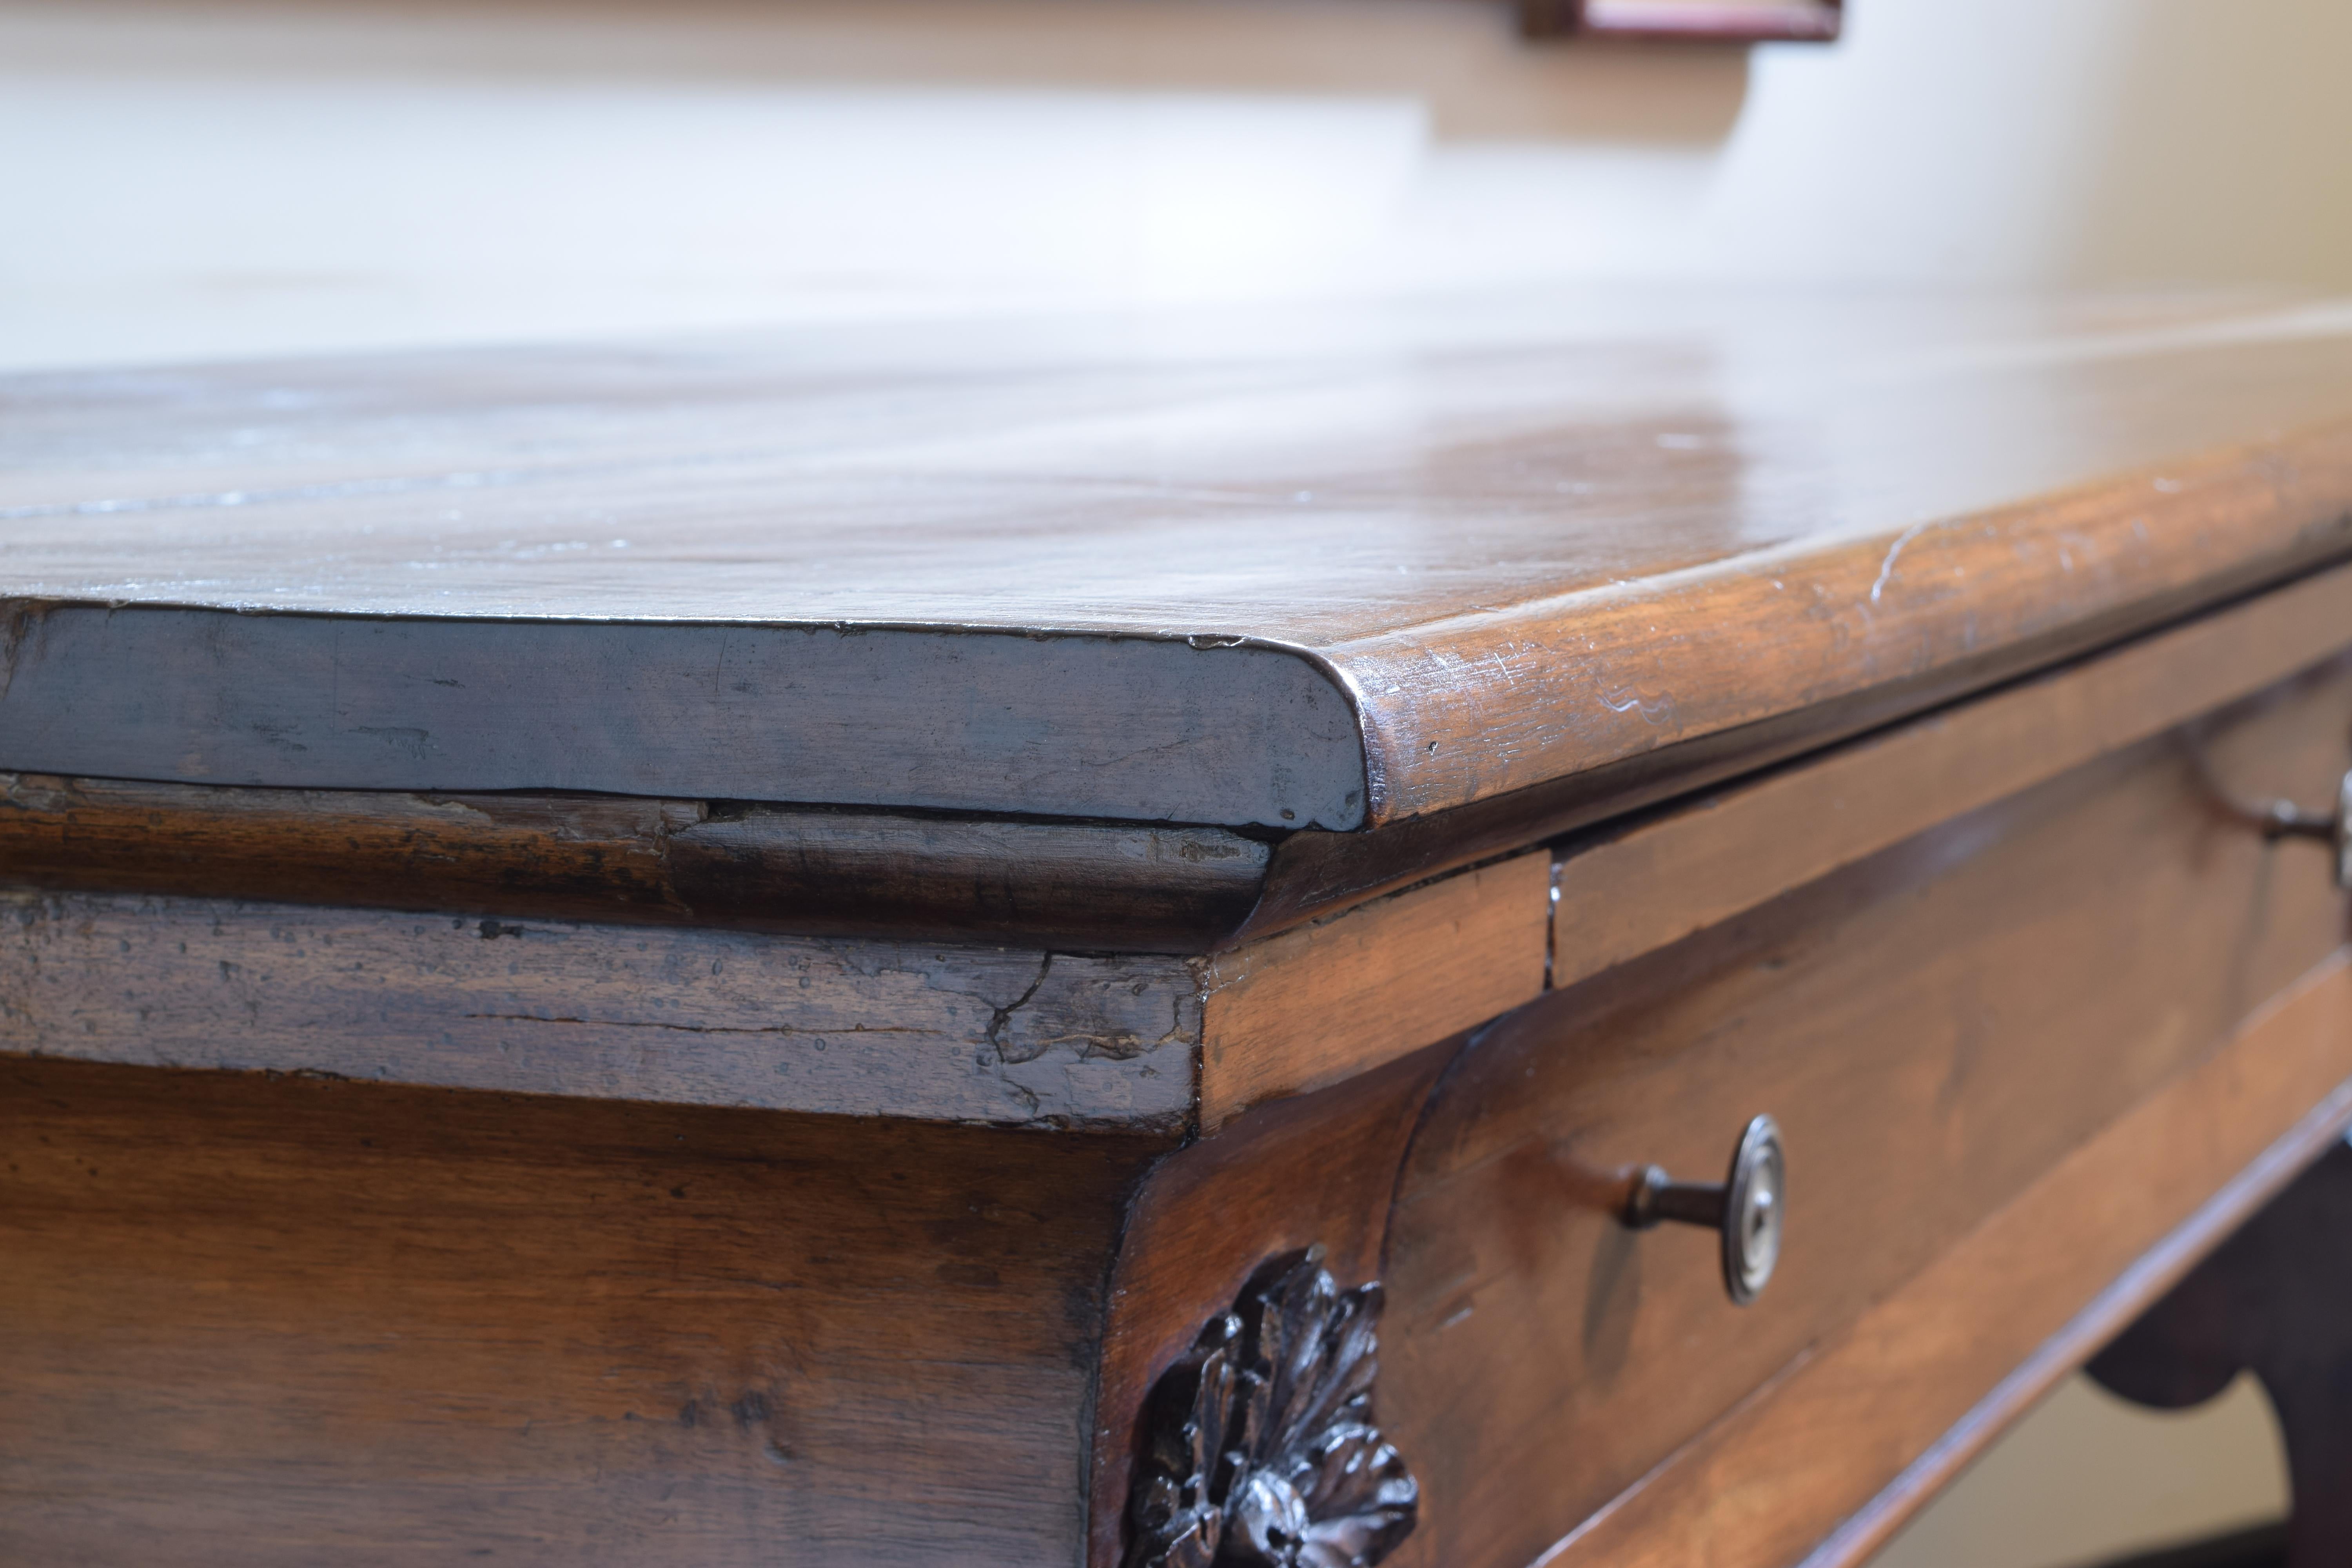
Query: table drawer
{"type": "Point", "coordinates": [1934, 1028]}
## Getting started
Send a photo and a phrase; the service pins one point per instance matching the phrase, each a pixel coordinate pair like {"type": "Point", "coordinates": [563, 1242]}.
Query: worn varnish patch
{"type": "Point", "coordinates": [609, 1012]}
{"type": "Point", "coordinates": [1096, 886]}
{"type": "Point", "coordinates": [1140, 728]}
{"type": "Point", "coordinates": [958, 1033]}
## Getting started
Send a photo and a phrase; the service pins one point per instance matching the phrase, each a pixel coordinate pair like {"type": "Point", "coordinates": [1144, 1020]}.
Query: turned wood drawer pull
{"type": "Point", "coordinates": [1747, 1207]}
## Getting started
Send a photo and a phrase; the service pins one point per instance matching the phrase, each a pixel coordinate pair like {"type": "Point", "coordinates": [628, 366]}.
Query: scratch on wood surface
{"type": "Point", "coordinates": [1894, 553]}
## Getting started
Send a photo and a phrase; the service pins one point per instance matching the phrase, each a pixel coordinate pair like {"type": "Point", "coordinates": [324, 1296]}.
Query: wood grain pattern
{"type": "Point", "coordinates": [1327, 1001]}
{"type": "Point", "coordinates": [853, 1027]}
{"type": "Point", "coordinates": [1387, 595]}
{"type": "Point", "coordinates": [812, 873]}
{"type": "Point", "coordinates": [614, 1012]}
{"type": "Point", "coordinates": [1933, 1027]}
{"type": "Point", "coordinates": [1313, 1170]}
{"type": "Point", "coordinates": [1656, 882]}
{"type": "Point", "coordinates": [1976, 1339]}
{"type": "Point", "coordinates": [1651, 663]}
{"type": "Point", "coordinates": [273, 1323]}
{"type": "Point", "coordinates": [1426, 558]}
{"type": "Point", "coordinates": [1312, 869]}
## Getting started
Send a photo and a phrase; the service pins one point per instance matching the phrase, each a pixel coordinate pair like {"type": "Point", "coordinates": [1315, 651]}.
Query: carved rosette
{"type": "Point", "coordinates": [1261, 1451]}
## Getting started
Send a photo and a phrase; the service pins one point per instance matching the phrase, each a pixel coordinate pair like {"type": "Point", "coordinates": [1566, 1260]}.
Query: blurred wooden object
{"type": "Point", "coordinates": [1077, 946]}
{"type": "Point", "coordinates": [1719, 21]}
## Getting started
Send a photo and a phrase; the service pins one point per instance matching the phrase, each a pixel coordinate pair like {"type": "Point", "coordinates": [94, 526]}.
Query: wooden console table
{"type": "Point", "coordinates": [1107, 945]}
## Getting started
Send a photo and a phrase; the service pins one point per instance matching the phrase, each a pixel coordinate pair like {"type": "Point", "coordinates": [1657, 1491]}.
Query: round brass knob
{"type": "Point", "coordinates": [1748, 1207]}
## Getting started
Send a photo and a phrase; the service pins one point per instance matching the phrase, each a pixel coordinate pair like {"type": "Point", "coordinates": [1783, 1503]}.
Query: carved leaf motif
{"type": "Point", "coordinates": [1174, 1507]}
{"type": "Point", "coordinates": [1261, 1447]}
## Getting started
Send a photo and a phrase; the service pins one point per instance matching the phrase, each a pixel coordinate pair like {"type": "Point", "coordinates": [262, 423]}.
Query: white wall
{"type": "Point", "coordinates": [2088, 1478]}
{"type": "Point", "coordinates": [201, 179]}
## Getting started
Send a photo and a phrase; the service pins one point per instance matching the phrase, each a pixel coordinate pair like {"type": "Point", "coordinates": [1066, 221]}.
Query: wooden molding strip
{"type": "Point", "coordinates": [1327, 1001]}
{"type": "Point", "coordinates": [1129, 888]}
{"type": "Point", "coordinates": [703, 1017]}
{"type": "Point", "coordinates": [730, 1017]}
{"type": "Point", "coordinates": [1602, 675]}
{"type": "Point", "coordinates": [1921, 1381]}
{"type": "Point", "coordinates": [1132, 886]}
{"type": "Point", "coordinates": [1703, 863]}
{"type": "Point", "coordinates": [1294, 1011]}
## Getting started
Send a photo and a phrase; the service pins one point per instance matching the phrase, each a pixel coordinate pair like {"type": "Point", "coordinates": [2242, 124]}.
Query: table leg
{"type": "Point", "coordinates": [2276, 1298]}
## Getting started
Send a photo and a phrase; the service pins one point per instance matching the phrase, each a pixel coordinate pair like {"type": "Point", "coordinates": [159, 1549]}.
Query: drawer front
{"type": "Point", "coordinates": [1934, 1029]}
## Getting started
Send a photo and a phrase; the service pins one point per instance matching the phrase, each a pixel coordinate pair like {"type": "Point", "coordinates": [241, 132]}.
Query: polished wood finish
{"type": "Point", "coordinates": [291, 1321]}
{"type": "Point", "coordinates": [1973, 1340]}
{"type": "Point", "coordinates": [1418, 560]}
{"type": "Point", "coordinates": [1323, 1002]}
{"type": "Point", "coordinates": [879, 879]}
{"type": "Point", "coordinates": [2276, 1298]}
{"type": "Point", "coordinates": [1629, 890]}
{"type": "Point", "coordinates": [1934, 1028]}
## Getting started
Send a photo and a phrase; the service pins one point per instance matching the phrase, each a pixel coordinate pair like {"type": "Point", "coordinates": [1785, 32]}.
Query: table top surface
{"type": "Point", "coordinates": [1338, 567]}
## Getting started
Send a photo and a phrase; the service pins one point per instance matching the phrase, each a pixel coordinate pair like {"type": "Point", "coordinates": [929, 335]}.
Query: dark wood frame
{"type": "Point", "coordinates": [1719, 21]}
